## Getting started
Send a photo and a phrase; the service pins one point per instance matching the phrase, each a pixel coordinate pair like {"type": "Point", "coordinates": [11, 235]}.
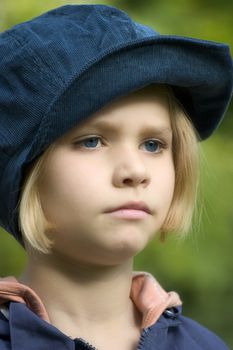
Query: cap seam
{"type": "Point", "coordinates": [37, 60]}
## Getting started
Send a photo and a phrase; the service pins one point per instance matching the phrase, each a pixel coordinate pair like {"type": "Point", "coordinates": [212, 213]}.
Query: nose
{"type": "Point", "coordinates": [130, 169]}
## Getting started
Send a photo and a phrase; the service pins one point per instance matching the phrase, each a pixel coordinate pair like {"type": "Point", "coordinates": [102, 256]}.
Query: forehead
{"type": "Point", "coordinates": [145, 107]}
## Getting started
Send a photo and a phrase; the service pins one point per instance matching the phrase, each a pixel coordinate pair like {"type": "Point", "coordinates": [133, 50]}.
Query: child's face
{"type": "Point", "coordinates": [127, 159]}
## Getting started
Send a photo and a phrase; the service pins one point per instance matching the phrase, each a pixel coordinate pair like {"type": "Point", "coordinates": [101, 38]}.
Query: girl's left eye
{"type": "Point", "coordinates": [154, 146]}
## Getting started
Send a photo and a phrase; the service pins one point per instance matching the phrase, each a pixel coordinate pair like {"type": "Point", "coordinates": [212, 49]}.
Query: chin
{"type": "Point", "coordinates": [129, 248]}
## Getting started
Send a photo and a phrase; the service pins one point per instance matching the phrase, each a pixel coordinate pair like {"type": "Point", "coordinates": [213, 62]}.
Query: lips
{"type": "Point", "coordinates": [132, 205]}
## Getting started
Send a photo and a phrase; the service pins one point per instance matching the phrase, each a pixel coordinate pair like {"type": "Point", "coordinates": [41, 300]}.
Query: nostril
{"type": "Point", "coordinates": [128, 181]}
{"type": "Point", "coordinates": [133, 182]}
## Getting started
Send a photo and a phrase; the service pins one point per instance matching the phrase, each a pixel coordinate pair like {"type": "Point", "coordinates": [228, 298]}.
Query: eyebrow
{"type": "Point", "coordinates": [145, 130]}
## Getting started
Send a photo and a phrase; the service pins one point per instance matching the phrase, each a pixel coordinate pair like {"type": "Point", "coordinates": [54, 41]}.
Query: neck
{"type": "Point", "coordinates": [90, 296]}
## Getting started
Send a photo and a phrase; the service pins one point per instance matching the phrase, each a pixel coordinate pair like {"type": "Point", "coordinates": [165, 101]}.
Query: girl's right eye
{"type": "Point", "coordinates": [89, 142]}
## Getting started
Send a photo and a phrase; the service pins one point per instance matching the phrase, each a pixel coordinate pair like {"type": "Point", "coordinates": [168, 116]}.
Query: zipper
{"type": "Point", "coordinates": [142, 339]}
{"type": "Point", "coordinates": [83, 344]}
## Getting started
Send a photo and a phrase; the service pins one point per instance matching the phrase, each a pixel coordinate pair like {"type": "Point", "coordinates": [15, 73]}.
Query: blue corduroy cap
{"type": "Point", "coordinates": [59, 68]}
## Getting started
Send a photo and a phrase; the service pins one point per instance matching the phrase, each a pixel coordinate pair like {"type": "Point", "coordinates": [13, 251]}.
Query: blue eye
{"type": "Point", "coordinates": [90, 142]}
{"type": "Point", "coordinates": [153, 146]}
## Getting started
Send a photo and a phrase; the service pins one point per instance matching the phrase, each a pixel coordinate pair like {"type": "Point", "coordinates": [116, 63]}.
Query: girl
{"type": "Point", "coordinates": [100, 118]}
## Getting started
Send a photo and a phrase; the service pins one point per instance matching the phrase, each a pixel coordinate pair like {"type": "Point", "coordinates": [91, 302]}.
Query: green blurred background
{"type": "Point", "coordinates": [200, 267]}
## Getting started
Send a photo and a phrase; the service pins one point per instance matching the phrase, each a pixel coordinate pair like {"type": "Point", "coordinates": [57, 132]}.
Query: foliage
{"type": "Point", "coordinates": [200, 267]}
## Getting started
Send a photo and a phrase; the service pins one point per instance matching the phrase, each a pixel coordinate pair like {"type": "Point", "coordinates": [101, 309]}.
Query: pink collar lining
{"type": "Point", "coordinates": [146, 293]}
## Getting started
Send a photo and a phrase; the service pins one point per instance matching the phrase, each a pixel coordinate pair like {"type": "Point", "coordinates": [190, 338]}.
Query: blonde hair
{"type": "Point", "coordinates": [32, 221]}
{"type": "Point", "coordinates": [186, 162]}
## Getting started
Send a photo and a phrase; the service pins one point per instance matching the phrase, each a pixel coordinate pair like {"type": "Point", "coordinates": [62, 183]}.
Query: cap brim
{"type": "Point", "coordinates": [200, 72]}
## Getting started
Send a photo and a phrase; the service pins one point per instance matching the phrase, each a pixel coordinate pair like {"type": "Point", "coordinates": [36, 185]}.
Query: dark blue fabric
{"type": "Point", "coordinates": [26, 331]}
{"type": "Point", "coordinates": [60, 67]}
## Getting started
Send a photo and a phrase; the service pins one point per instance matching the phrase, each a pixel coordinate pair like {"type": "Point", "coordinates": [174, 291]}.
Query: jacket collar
{"type": "Point", "coordinates": [29, 324]}
{"type": "Point", "coordinates": [150, 298]}
{"type": "Point", "coordinates": [30, 332]}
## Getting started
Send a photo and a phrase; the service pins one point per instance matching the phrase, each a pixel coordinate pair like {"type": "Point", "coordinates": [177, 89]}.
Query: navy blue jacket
{"type": "Point", "coordinates": [24, 330]}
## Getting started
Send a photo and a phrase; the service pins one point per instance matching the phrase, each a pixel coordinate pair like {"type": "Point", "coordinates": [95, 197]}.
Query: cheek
{"type": "Point", "coordinates": [66, 188]}
{"type": "Point", "coordinates": [165, 183]}
{"type": "Point", "coordinates": [168, 181]}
